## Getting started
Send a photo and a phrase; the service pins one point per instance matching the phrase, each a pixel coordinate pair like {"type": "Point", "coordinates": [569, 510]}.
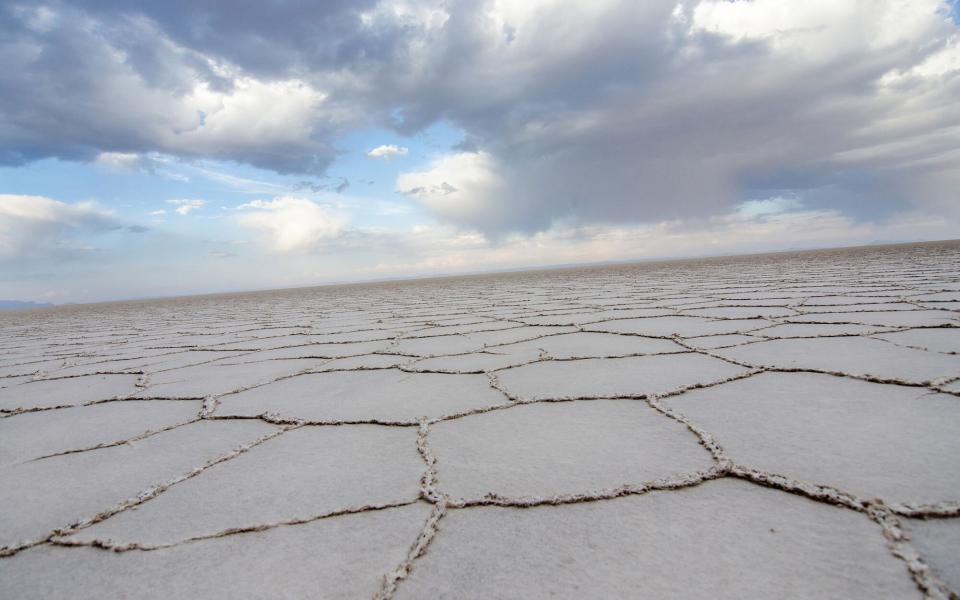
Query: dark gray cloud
{"type": "Point", "coordinates": [574, 112]}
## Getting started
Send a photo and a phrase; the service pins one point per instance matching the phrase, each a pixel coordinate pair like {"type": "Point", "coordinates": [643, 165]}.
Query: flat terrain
{"type": "Point", "coordinates": [780, 425]}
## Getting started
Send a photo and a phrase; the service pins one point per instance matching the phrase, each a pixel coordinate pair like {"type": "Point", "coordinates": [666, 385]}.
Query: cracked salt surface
{"type": "Point", "coordinates": [342, 557]}
{"type": "Point", "coordinates": [550, 449]}
{"type": "Point", "coordinates": [42, 496]}
{"type": "Point", "coordinates": [615, 377]}
{"type": "Point", "coordinates": [59, 392]}
{"type": "Point", "coordinates": [37, 434]}
{"type": "Point", "coordinates": [688, 543]}
{"type": "Point", "coordinates": [767, 426]}
{"type": "Point", "coordinates": [939, 540]}
{"type": "Point", "coordinates": [369, 465]}
{"type": "Point", "coordinates": [376, 395]}
{"type": "Point", "coordinates": [837, 431]}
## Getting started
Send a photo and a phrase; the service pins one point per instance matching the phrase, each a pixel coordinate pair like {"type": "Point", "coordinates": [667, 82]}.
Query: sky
{"type": "Point", "coordinates": [192, 146]}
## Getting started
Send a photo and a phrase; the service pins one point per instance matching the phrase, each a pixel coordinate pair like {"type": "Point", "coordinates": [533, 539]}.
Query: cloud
{"type": "Point", "coordinates": [185, 206]}
{"type": "Point", "coordinates": [572, 112]}
{"type": "Point", "coordinates": [465, 188]}
{"type": "Point", "coordinates": [290, 224]}
{"type": "Point", "coordinates": [706, 115]}
{"type": "Point", "coordinates": [387, 151]}
{"type": "Point", "coordinates": [156, 213]}
{"type": "Point", "coordinates": [133, 89]}
{"type": "Point", "coordinates": [446, 249]}
{"type": "Point", "coordinates": [119, 160]}
{"type": "Point", "coordinates": [338, 187]}
{"type": "Point", "coordinates": [768, 206]}
{"type": "Point", "coordinates": [37, 227]}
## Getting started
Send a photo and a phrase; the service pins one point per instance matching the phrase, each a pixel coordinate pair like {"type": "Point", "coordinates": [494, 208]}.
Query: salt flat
{"type": "Point", "coordinates": [779, 425]}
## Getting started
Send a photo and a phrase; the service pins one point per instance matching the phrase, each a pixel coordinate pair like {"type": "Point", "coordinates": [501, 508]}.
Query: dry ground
{"type": "Point", "coordinates": [768, 426]}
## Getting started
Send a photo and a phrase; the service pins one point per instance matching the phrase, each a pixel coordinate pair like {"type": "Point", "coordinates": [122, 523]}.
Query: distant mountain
{"type": "Point", "coordinates": [18, 304]}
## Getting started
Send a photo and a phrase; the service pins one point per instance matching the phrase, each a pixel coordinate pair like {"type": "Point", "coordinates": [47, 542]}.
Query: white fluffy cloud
{"type": "Point", "coordinates": [387, 151]}
{"type": "Point", "coordinates": [185, 205]}
{"type": "Point", "coordinates": [133, 89]}
{"type": "Point", "coordinates": [290, 224]}
{"type": "Point", "coordinates": [35, 226]}
{"type": "Point", "coordinates": [464, 187]}
{"type": "Point", "coordinates": [119, 160]}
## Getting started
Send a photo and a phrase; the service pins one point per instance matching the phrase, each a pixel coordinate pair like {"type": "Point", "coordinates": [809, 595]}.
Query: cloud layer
{"type": "Point", "coordinates": [575, 113]}
{"type": "Point", "coordinates": [37, 227]}
{"type": "Point", "coordinates": [290, 224]}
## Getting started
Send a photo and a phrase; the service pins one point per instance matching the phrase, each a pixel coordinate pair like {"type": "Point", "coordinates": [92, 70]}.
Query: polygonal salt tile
{"type": "Point", "coordinates": [266, 344]}
{"type": "Point", "coordinates": [341, 557]}
{"type": "Point", "coordinates": [551, 448]}
{"type": "Point", "coordinates": [894, 318]}
{"type": "Point", "coordinates": [937, 540]}
{"type": "Point", "coordinates": [564, 318]}
{"type": "Point", "coordinates": [681, 326]}
{"type": "Point", "coordinates": [589, 345]}
{"type": "Point", "coordinates": [436, 346]}
{"type": "Point", "coordinates": [31, 435]}
{"type": "Point", "coordinates": [874, 440]}
{"type": "Point", "coordinates": [615, 377]}
{"type": "Point", "coordinates": [476, 362]}
{"type": "Point", "coordinates": [942, 305]}
{"type": "Point", "coordinates": [494, 339]}
{"type": "Point", "coordinates": [30, 368]}
{"type": "Point", "coordinates": [720, 539]}
{"type": "Point", "coordinates": [384, 395]}
{"type": "Point", "coordinates": [800, 330]}
{"type": "Point", "coordinates": [44, 495]}
{"type": "Point", "coordinates": [220, 378]}
{"type": "Point", "coordinates": [711, 342]}
{"type": "Point", "coordinates": [14, 380]}
{"type": "Point", "coordinates": [317, 351]}
{"type": "Point", "coordinates": [195, 341]}
{"type": "Point", "coordinates": [935, 340]}
{"type": "Point", "coordinates": [168, 360]}
{"type": "Point", "coordinates": [300, 474]}
{"type": "Point", "coordinates": [67, 392]}
{"type": "Point", "coordinates": [462, 329]}
{"type": "Point", "coordinates": [852, 355]}
{"type": "Point", "coordinates": [937, 296]}
{"type": "Point", "coordinates": [875, 306]}
{"type": "Point", "coordinates": [623, 313]}
{"type": "Point", "coordinates": [740, 312]}
{"type": "Point", "coordinates": [842, 300]}
{"type": "Point", "coordinates": [366, 361]}
{"type": "Point", "coordinates": [366, 335]}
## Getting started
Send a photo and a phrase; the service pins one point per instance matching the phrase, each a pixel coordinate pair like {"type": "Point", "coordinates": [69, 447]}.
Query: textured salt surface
{"type": "Point", "coordinates": [550, 449]}
{"type": "Point", "coordinates": [722, 539]}
{"type": "Point", "coordinates": [837, 431]}
{"type": "Point", "coordinates": [939, 541]}
{"type": "Point", "coordinates": [769, 426]}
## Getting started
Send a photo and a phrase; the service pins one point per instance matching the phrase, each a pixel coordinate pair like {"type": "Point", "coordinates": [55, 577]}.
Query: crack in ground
{"type": "Point", "coordinates": [480, 312]}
